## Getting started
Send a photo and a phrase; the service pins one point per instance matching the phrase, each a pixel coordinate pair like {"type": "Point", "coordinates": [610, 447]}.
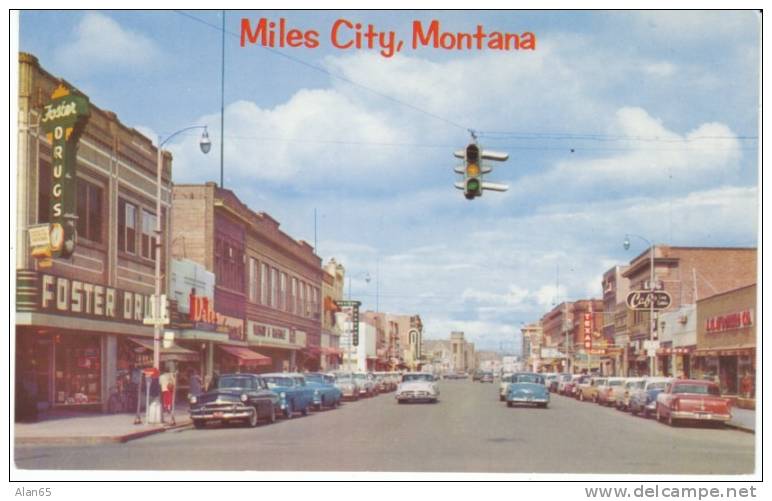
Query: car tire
{"type": "Point", "coordinates": [289, 411]}
{"type": "Point", "coordinates": [646, 413]}
{"type": "Point", "coordinates": [199, 423]}
{"type": "Point", "coordinates": [272, 414]}
{"type": "Point", "coordinates": [400, 401]}
{"type": "Point", "coordinates": [581, 397]}
{"type": "Point", "coordinates": [252, 420]}
{"type": "Point", "coordinates": [633, 411]}
{"type": "Point", "coordinates": [658, 415]}
{"type": "Point", "coordinates": [305, 410]}
{"type": "Point", "coordinates": [544, 406]}
{"type": "Point", "coordinates": [670, 420]}
{"type": "Point", "coordinates": [509, 404]}
{"type": "Point", "coordinates": [501, 398]}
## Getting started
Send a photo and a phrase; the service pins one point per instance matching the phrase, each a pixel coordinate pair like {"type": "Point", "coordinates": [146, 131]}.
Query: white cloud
{"type": "Point", "coordinates": [101, 44]}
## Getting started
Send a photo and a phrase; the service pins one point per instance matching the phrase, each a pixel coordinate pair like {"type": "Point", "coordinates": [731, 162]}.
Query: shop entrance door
{"type": "Point", "coordinates": [38, 373]}
{"type": "Point", "coordinates": [728, 374]}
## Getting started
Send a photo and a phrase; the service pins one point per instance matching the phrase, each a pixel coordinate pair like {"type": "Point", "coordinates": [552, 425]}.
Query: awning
{"type": "Point", "coordinates": [331, 351]}
{"type": "Point", "coordinates": [728, 352]}
{"type": "Point", "coordinates": [245, 355]}
{"type": "Point", "coordinates": [173, 353]}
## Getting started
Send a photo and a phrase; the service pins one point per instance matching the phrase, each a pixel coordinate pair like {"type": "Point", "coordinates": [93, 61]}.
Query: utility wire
{"type": "Point", "coordinates": [333, 75]}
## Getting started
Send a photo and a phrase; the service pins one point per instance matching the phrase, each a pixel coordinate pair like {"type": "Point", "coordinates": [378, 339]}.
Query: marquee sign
{"type": "Point", "coordinates": [63, 121]}
{"type": "Point", "coordinates": [587, 329]}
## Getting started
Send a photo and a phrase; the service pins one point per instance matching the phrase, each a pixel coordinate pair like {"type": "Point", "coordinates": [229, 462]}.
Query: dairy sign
{"type": "Point", "coordinates": [63, 120]}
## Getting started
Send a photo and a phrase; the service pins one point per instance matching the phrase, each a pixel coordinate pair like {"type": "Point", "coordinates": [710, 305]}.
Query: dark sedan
{"type": "Point", "coordinates": [237, 397]}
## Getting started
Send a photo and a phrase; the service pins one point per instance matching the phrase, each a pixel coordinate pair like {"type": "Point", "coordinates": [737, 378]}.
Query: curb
{"type": "Point", "coordinates": [92, 440]}
{"type": "Point", "coordinates": [740, 428]}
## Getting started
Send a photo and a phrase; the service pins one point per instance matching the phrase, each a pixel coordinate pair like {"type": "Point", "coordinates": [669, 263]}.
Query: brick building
{"type": "Point", "coordinates": [686, 273]}
{"type": "Point", "coordinates": [79, 318]}
{"type": "Point", "coordinates": [267, 284]}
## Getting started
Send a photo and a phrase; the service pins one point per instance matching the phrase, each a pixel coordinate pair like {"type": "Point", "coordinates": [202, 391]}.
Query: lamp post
{"type": "Point", "coordinates": [652, 247]}
{"type": "Point", "coordinates": [205, 144]}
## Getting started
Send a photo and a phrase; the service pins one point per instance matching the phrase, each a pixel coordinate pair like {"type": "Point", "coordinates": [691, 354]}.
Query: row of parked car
{"type": "Point", "coordinates": [668, 399]}
{"type": "Point", "coordinates": [252, 398]}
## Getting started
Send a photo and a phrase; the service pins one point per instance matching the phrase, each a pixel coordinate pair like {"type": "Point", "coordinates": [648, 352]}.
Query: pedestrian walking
{"type": "Point", "coordinates": [195, 384]}
{"type": "Point", "coordinates": [167, 389]}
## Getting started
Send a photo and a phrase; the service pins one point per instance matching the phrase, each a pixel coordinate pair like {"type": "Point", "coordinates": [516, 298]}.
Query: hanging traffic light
{"type": "Point", "coordinates": [473, 170]}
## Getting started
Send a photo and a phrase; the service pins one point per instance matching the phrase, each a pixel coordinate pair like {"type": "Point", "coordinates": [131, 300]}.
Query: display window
{"type": "Point", "coordinates": [77, 370]}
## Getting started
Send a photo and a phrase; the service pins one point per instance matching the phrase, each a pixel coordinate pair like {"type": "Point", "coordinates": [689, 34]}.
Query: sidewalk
{"type": "Point", "coordinates": [743, 419]}
{"type": "Point", "coordinates": [71, 427]}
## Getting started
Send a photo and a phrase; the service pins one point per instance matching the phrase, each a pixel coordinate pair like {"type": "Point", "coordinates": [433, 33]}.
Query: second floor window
{"type": "Point", "coordinates": [127, 227]}
{"type": "Point", "coordinates": [89, 210]}
{"type": "Point", "coordinates": [148, 239]}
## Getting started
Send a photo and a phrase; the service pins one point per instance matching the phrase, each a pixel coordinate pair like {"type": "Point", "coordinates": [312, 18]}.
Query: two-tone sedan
{"type": "Point", "coordinates": [644, 400]}
{"type": "Point", "coordinates": [692, 400]}
{"type": "Point", "coordinates": [417, 387]}
{"type": "Point", "coordinates": [237, 397]}
{"type": "Point", "coordinates": [347, 385]}
{"type": "Point", "coordinates": [326, 394]}
{"type": "Point", "coordinates": [527, 388]}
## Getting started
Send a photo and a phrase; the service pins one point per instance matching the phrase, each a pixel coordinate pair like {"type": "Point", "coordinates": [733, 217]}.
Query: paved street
{"type": "Point", "coordinates": [469, 430]}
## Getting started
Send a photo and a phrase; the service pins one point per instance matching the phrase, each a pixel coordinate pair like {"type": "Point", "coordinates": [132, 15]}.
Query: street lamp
{"type": "Point", "coordinates": [205, 144]}
{"type": "Point", "coordinates": [626, 245]}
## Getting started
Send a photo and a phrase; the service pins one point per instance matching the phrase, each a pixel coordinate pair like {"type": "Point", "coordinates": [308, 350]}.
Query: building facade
{"type": "Point", "coordinates": [333, 280]}
{"type": "Point", "coordinates": [267, 293]}
{"type": "Point", "coordinates": [79, 318]}
{"type": "Point", "coordinates": [726, 341]}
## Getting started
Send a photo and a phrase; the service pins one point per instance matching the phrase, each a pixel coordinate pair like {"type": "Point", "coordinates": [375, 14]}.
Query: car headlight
{"type": "Point", "coordinates": [282, 395]}
{"type": "Point", "coordinates": [193, 399]}
{"type": "Point", "coordinates": [244, 397]}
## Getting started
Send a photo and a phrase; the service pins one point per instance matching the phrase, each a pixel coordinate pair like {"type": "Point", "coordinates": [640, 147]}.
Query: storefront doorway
{"type": "Point", "coordinates": [728, 374]}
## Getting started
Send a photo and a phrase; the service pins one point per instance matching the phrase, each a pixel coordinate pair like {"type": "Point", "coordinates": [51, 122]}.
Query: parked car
{"type": "Point", "coordinates": [606, 391]}
{"type": "Point", "coordinates": [691, 399]}
{"type": "Point", "coordinates": [417, 387]}
{"type": "Point", "coordinates": [527, 388]}
{"type": "Point", "coordinates": [294, 394]}
{"type": "Point", "coordinates": [644, 400]}
{"type": "Point", "coordinates": [366, 384]}
{"type": "Point", "coordinates": [506, 378]}
{"type": "Point", "coordinates": [347, 385]}
{"type": "Point", "coordinates": [549, 378]}
{"type": "Point", "coordinates": [562, 380]}
{"type": "Point", "coordinates": [589, 391]}
{"type": "Point", "coordinates": [570, 388]}
{"type": "Point", "coordinates": [326, 394]}
{"type": "Point", "coordinates": [486, 377]}
{"type": "Point", "coordinates": [237, 397]}
{"type": "Point", "coordinates": [623, 395]}
{"type": "Point", "coordinates": [477, 375]}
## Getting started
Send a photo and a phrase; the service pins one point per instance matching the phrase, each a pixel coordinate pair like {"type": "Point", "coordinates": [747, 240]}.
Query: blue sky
{"type": "Point", "coordinates": [640, 122]}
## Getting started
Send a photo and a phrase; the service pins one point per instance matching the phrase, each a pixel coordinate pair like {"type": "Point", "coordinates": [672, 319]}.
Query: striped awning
{"type": "Point", "coordinates": [245, 355]}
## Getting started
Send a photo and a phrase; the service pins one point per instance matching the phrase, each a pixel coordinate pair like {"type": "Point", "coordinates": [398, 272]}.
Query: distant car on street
{"type": "Point", "coordinates": [237, 397]}
{"type": "Point", "coordinates": [562, 380]}
{"type": "Point", "coordinates": [506, 378]}
{"type": "Point", "coordinates": [622, 396]}
{"type": "Point", "coordinates": [417, 387]}
{"type": "Point", "coordinates": [486, 377]}
{"type": "Point", "coordinates": [691, 399]}
{"type": "Point", "coordinates": [347, 385]}
{"type": "Point", "coordinates": [527, 388]}
{"type": "Point", "coordinates": [571, 387]}
{"type": "Point", "coordinates": [476, 375]}
{"type": "Point", "coordinates": [606, 392]}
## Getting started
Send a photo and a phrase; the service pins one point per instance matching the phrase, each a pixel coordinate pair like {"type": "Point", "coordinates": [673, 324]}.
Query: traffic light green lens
{"type": "Point", "coordinates": [473, 185]}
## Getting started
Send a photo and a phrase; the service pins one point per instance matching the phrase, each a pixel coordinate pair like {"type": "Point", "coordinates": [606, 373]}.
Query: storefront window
{"type": "Point", "coordinates": [77, 370]}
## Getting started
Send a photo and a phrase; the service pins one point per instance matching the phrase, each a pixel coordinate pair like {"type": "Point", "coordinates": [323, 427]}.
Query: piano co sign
{"type": "Point", "coordinates": [642, 300]}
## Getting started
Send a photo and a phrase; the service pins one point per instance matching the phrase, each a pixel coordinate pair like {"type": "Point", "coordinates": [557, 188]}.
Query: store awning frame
{"type": "Point", "coordinates": [175, 352]}
{"type": "Point", "coordinates": [246, 356]}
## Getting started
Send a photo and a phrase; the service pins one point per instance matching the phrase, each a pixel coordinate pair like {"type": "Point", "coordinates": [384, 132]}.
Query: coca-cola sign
{"type": "Point", "coordinates": [642, 300]}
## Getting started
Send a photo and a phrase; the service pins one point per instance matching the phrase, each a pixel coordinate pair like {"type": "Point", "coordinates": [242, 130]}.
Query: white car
{"type": "Point", "coordinates": [506, 378]}
{"type": "Point", "coordinates": [417, 386]}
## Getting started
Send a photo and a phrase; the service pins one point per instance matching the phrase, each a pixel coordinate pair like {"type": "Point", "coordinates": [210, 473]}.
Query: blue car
{"type": "Point", "coordinates": [294, 394]}
{"type": "Point", "coordinates": [326, 394]}
{"type": "Point", "coordinates": [644, 400]}
{"type": "Point", "coordinates": [527, 388]}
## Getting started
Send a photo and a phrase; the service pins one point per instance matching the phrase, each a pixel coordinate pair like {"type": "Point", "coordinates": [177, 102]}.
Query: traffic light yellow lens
{"type": "Point", "coordinates": [472, 170]}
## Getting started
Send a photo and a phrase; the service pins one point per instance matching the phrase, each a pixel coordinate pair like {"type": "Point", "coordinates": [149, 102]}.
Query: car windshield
{"type": "Point", "coordinates": [417, 377]}
{"type": "Point", "coordinates": [228, 382]}
{"type": "Point", "coordinates": [360, 376]}
{"type": "Point", "coordinates": [636, 384]}
{"type": "Point", "coordinates": [565, 377]}
{"type": "Point", "coordinates": [527, 378]}
{"type": "Point", "coordinates": [315, 378]}
{"type": "Point", "coordinates": [274, 381]}
{"type": "Point", "coordinates": [659, 385]}
{"type": "Point", "coordinates": [699, 389]}
{"type": "Point", "coordinates": [615, 383]}
{"type": "Point", "coordinates": [506, 378]}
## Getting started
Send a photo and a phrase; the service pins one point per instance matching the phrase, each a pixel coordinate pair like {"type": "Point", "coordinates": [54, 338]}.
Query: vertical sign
{"type": "Point", "coordinates": [587, 325]}
{"type": "Point", "coordinates": [63, 121]}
